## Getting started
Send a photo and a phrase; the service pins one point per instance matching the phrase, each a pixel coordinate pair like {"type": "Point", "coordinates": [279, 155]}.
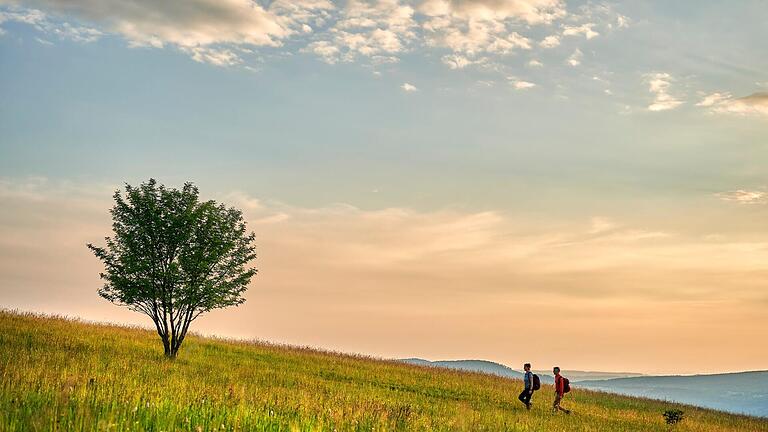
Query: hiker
{"type": "Point", "coordinates": [532, 383]}
{"type": "Point", "coordinates": [562, 386]}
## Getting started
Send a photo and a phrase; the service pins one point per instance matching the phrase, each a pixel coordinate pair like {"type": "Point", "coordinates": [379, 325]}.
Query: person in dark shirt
{"type": "Point", "coordinates": [559, 391]}
{"type": "Point", "coordinates": [527, 393]}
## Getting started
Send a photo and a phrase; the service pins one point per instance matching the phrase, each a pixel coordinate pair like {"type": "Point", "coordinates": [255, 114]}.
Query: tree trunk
{"type": "Point", "coordinates": [167, 348]}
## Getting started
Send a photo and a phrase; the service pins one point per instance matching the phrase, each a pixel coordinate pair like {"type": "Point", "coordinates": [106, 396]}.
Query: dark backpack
{"type": "Point", "coordinates": [566, 385]}
{"type": "Point", "coordinates": [536, 382]}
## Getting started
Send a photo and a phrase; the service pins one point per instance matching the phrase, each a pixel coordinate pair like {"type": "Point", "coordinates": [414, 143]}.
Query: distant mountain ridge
{"type": "Point", "coordinates": [738, 392]}
{"type": "Point", "coordinates": [494, 368]}
{"type": "Point", "coordinates": [484, 366]}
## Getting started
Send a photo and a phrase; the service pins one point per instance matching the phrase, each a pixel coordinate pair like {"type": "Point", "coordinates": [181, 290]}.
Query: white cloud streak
{"type": "Point", "coordinates": [742, 196]}
{"type": "Point", "coordinates": [755, 104]}
{"type": "Point", "coordinates": [658, 85]}
{"type": "Point", "coordinates": [575, 58]}
{"type": "Point", "coordinates": [584, 29]}
{"type": "Point", "coordinates": [519, 84]}
{"type": "Point", "coordinates": [550, 41]}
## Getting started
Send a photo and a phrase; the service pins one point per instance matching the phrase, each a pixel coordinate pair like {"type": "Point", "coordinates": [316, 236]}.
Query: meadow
{"type": "Point", "coordinates": [62, 374]}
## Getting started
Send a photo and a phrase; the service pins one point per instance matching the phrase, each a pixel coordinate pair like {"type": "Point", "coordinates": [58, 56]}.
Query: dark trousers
{"type": "Point", "coordinates": [525, 396]}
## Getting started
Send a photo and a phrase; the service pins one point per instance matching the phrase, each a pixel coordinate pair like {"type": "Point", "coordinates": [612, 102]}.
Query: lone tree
{"type": "Point", "coordinates": [174, 257]}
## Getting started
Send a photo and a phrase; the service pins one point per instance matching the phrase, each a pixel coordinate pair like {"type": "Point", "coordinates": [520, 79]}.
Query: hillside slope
{"type": "Point", "coordinates": [66, 375]}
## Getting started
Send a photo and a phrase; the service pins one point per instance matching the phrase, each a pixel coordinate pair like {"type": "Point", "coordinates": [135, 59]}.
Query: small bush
{"type": "Point", "coordinates": [673, 416]}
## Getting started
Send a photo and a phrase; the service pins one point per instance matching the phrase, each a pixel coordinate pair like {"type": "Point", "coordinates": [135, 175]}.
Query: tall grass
{"type": "Point", "coordinates": [59, 374]}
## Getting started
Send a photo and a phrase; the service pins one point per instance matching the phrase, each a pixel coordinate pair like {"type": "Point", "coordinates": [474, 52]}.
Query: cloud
{"type": "Point", "coordinates": [373, 32]}
{"type": "Point", "coordinates": [302, 16]}
{"type": "Point", "coordinates": [714, 98]}
{"type": "Point", "coordinates": [755, 104]}
{"type": "Point", "coordinates": [408, 88]}
{"type": "Point", "coordinates": [177, 22]}
{"type": "Point", "coordinates": [378, 30]}
{"type": "Point", "coordinates": [456, 61]}
{"type": "Point", "coordinates": [575, 58]}
{"type": "Point", "coordinates": [205, 29]}
{"type": "Point", "coordinates": [43, 23]}
{"type": "Point", "coordinates": [328, 52]}
{"type": "Point", "coordinates": [535, 63]}
{"type": "Point", "coordinates": [485, 26]}
{"type": "Point", "coordinates": [528, 11]}
{"type": "Point", "coordinates": [584, 29]}
{"type": "Point", "coordinates": [550, 41]}
{"type": "Point", "coordinates": [214, 56]}
{"type": "Point", "coordinates": [658, 85]}
{"type": "Point", "coordinates": [476, 37]}
{"type": "Point", "coordinates": [742, 196]}
{"type": "Point", "coordinates": [518, 84]}
{"type": "Point", "coordinates": [622, 21]}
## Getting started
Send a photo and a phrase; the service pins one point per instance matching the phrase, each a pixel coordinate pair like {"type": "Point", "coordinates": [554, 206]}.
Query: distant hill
{"type": "Point", "coordinates": [576, 376]}
{"type": "Point", "coordinates": [743, 392]}
{"type": "Point", "coordinates": [490, 367]}
{"type": "Point", "coordinates": [483, 366]}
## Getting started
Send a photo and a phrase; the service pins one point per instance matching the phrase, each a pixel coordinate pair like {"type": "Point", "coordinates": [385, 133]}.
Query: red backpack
{"type": "Point", "coordinates": [566, 385]}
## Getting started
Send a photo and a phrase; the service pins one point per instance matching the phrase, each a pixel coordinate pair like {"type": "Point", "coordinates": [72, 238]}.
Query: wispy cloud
{"type": "Point", "coordinates": [535, 63]}
{"type": "Point", "coordinates": [575, 58]}
{"type": "Point", "coordinates": [550, 41]}
{"type": "Point", "coordinates": [659, 84]}
{"type": "Point", "coordinates": [584, 29]}
{"type": "Point", "coordinates": [519, 84]}
{"type": "Point", "coordinates": [457, 61]}
{"type": "Point", "coordinates": [409, 88]}
{"type": "Point", "coordinates": [199, 28]}
{"type": "Point", "coordinates": [742, 196]}
{"type": "Point", "coordinates": [755, 104]}
{"type": "Point", "coordinates": [43, 23]}
{"type": "Point", "coordinates": [476, 32]}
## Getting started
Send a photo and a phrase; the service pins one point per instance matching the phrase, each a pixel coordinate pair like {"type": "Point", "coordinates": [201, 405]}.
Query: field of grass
{"type": "Point", "coordinates": [60, 374]}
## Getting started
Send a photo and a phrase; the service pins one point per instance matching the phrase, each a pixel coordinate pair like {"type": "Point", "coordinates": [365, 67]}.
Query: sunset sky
{"type": "Point", "coordinates": [573, 183]}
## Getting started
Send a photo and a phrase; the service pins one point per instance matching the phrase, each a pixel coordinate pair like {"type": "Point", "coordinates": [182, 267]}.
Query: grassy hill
{"type": "Point", "coordinates": [66, 375]}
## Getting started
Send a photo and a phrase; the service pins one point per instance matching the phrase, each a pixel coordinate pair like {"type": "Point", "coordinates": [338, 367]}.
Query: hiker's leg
{"type": "Point", "coordinates": [523, 397]}
{"type": "Point", "coordinates": [556, 406]}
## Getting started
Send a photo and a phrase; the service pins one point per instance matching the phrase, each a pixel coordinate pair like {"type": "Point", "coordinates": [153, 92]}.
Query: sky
{"type": "Point", "coordinates": [546, 181]}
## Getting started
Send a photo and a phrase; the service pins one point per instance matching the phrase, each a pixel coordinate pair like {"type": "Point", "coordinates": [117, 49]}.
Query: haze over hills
{"type": "Point", "coordinates": [741, 392]}
{"type": "Point", "coordinates": [506, 371]}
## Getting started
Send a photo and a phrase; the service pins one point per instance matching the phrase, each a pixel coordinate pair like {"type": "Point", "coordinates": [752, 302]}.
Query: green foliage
{"type": "Point", "coordinates": [57, 374]}
{"type": "Point", "coordinates": [173, 257]}
{"type": "Point", "coordinates": [673, 416]}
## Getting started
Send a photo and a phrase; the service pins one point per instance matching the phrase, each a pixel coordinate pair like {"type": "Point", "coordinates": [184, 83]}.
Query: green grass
{"type": "Point", "coordinates": [61, 374]}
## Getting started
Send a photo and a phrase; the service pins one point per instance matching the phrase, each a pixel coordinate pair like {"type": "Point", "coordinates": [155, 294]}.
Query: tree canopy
{"type": "Point", "coordinates": [174, 257]}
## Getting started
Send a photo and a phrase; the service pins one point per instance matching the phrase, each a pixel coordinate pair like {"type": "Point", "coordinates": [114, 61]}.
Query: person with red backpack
{"type": "Point", "coordinates": [532, 383]}
{"type": "Point", "coordinates": [562, 386]}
